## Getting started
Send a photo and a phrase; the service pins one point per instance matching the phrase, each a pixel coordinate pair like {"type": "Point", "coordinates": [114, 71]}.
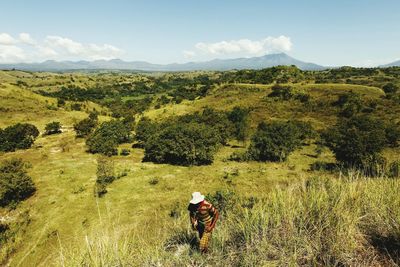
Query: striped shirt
{"type": "Point", "coordinates": [203, 212]}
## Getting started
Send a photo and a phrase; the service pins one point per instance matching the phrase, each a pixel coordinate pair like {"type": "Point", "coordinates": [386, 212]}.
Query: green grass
{"type": "Point", "coordinates": [333, 220]}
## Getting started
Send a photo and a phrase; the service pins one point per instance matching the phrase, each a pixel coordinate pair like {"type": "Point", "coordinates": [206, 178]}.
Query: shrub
{"type": "Point", "coordinates": [76, 106]}
{"type": "Point", "coordinates": [390, 88]}
{"type": "Point", "coordinates": [392, 134]}
{"type": "Point", "coordinates": [275, 141]}
{"type": "Point", "coordinates": [240, 120]}
{"type": "Point", "coordinates": [144, 130]}
{"type": "Point", "coordinates": [356, 141]}
{"type": "Point", "coordinates": [182, 144]}
{"type": "Point", "coordinates": [86, 126]}
{"type": "Point", "coordinates": [284, 92]}
{"type": "Point", "coordinates": [105, 175]}
{"type": "Point", "coordinates": [394, 169]}
{"type": "Point", "coordinates": [18, 136]}
{"type": "Point", "coordinates": [53, 128]}
{"type": "Point", "coordinates": [106, 138]}
{"type": "Point", "coordinates": [350, 104]}
{"type": "Point", "coordinates": [15, 184]}
{"type": "Point", "coordinates": [125, 152]}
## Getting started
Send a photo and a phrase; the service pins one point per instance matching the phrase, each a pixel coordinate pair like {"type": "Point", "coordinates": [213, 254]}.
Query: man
{"type": "Point", "coordinates": [203, 217]}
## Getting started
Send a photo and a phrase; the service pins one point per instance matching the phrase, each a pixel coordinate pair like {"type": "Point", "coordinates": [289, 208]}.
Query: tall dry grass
{"type": "Point", "coordinates": [318, 222]}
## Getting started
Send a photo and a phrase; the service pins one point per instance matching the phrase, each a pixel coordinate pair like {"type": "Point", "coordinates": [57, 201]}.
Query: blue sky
{"type": "Point", "coordinates": [351, 32]}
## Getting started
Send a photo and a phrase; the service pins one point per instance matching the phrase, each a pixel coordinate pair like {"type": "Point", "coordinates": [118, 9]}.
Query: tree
{"type": "Point", "coordinates": [86, 126]}
{"type": "Point", "coordinates": [105, 175]}
{"type": "Point", "coordinates": [240, 119]}
{"type": "Point", "coordinates": [144, 130]}
{"type": "Point", "coordinates": [53, 128]}
{"type": "Point", "coordinates": [18, 136]}
{"type": "Point", "coordinates": [390, 88]}
{"type": "Point", "coordinates": [275, 141]}
{"type": "Point", "coordinates": [350, 104]}
{"type": "Point", "coordinates": [182, 144]}
{"type": "Point", "coordinates": [15, 184]}
{"type": "Point", "coordinates": [106, 138]}
{"type": "Point", "coordinates": [357, 141]}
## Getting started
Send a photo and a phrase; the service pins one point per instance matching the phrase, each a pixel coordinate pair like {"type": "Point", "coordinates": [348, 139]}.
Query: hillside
{"type": "Point", "coordinates": [274, 213]}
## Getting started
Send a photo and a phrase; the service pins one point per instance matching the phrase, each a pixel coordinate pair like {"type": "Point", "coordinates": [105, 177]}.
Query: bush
{"type": "Point", "coordinates": [356, 142]}
{"type": "Point", "coordinates": [18, 136]}
{"type": "Point", "coordinates": [125, 152]}
{"type": "Point", "coordinates": [105, 175]}
{"type": "Point", "coordinates": [15, 184]}
{"type": "Point", "coordinates": [106, 138]}
{"type": "Point", "coordinates": [350, 104]}
{"type": "Point", "coordinates": [182, 144]}
{"type": "Point", "coordinates": [86, 126]}
{"type": "Point", "coordinates": [284, 92]}
{"type": "Point", "coordinates": [240, 120]}
{"type": "Point", "coordinates": [275, 141]}
{"type": "Point", "coordinates": [52, 128]}
{"type": "Point", "coordinates": [144, 130]}
{"type": "Point", "coordinates": [392, 134]}
{"type": "Point", "coordinates": [390, 88]}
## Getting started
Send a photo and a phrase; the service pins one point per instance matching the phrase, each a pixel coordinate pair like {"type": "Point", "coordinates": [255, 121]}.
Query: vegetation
{"type": "Point", "coordinates": [15, 184]}
{"type": "Point", "coordinates": [53, 128]}
{"type": "Point", "coordinates": [295, 195]}
{"type": "Point", "coordinates": [275, 141]}
{"type": "Point", "coordinates": [182, 144]}
{"type": "Point", "coordinates": [18, 136]}
{"type": "Point", "coordinates": [106, 138]}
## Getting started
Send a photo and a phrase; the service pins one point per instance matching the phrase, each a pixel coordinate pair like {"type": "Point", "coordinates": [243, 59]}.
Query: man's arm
{"type": "Point", "coordinates": [193, 220]}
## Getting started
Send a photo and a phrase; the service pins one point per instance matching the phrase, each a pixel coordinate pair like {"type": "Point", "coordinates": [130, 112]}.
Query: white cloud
{"type": "Point", "coordinates": [27, 49]}
{"type": "Point", "coordinates": [246, 46]}
{"type": "Point", "coordinates": [11, 54]}
{"type": "Point", "coordinates": [6, 39]}
{"type": "Point", "coordinates": [188, 54]}
{"type": "Point", "coordinates": [26, 39]}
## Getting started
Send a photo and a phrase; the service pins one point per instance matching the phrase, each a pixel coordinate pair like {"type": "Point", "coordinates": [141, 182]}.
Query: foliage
{"type": "Point", "coordinates": [86, 126]}
{"type": "Point", "coordinates": [144, 130]}
{"type": "Point", "coordinates": [106, 138]}
{"type": "Point", "coordinates": [105, 175]}
{"type": "Point", "coordinates": [18, 136]}
{"type": "Point", "coordinates": [52, 128]}
{"type": "Point", "coordinates": [240, 119]}
{"type": "Point", "coordinates": [182, 144]}
{"type": "Point", "coordinates": [276, 140]}
{"type": "Point", "coordinates": [15, 184]}
{"type": "Point", "coordinates": [356, 141]}
{"type": "Point", "coordinates": [350, 104]}
{"type": "Point", "coordinates": [390, 88]}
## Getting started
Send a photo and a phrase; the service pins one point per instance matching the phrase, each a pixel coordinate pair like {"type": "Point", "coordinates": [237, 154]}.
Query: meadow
{"type": "Point", "coordinates": [273, 213]}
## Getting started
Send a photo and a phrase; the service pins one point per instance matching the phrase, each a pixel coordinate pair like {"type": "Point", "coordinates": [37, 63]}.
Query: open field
{"type": "Point", "coordinates": [298, 217]}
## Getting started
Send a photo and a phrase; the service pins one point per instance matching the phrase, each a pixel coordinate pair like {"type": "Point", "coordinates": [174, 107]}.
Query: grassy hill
{"type": "Point", "coordinates": [277, 213]}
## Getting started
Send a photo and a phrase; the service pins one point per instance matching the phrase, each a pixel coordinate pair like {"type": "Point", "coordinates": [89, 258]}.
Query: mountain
{"type": "Point", "coordinates": [393, 64]}
{"type": "Point", "coordinates": [216, 64]}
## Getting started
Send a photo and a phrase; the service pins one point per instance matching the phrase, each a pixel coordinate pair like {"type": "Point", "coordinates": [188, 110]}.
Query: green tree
{"type": "Point", "coordinates": [86, 126]}
{"type": "Point", "coordinates": [18, 136]}
{"type": "Point", "coordinates": [356, 141]}
{"type": "Point", "coordinates": [240, 120]}
{"type": "Point", "coordinates": [15, 183]}
{"type": "Point", "coordinates": [275, 141]}
{"type": "Point", "coordinates": [52, 128]}
{"type": "Point", "coordinates": [390, 88]}
{"type": "Point", "coordinates": [182, 144]}
{"type": "Point", "coordinates": [106, 138]}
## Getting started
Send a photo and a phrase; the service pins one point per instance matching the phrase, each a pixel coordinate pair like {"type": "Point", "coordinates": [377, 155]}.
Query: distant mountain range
{"type": "Point", "coordinates": [216, 64]}
{"type": "Point", "coordinates": [393, 64]}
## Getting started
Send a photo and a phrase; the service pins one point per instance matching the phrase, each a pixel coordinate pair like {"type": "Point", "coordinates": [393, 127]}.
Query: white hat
{"type": "Point", "coordinates": [197, 197]}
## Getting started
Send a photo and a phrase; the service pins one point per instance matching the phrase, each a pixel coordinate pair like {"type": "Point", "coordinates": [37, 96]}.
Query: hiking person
{"type": "Point", "coordinates": [203, 216]}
